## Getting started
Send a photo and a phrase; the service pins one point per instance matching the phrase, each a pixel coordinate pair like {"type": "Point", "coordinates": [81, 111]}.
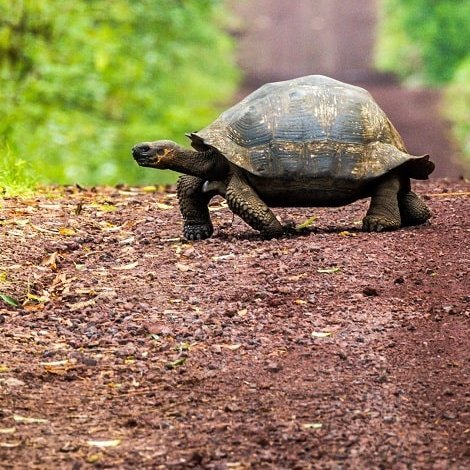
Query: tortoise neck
{"type": "Point", "coordinates": [209, 164]}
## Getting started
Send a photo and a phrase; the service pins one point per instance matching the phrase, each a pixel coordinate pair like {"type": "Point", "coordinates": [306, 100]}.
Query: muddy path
{"type": "Point", "coordinates": [131, 348]}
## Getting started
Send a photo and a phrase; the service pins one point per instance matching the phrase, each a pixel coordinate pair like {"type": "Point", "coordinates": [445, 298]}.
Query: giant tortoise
{"type": "Point", "coordinates": [310, 141]}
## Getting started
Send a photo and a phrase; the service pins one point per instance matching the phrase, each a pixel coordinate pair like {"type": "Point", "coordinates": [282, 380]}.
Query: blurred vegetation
{"type": "Point", "coordinates": [428, 42]}
{"type": "Point", "coordinates": [457, 108]}
{"type": "Point", "coordinates": [16, 177]}
{"type": "Point", "coordinates": [81, 81]}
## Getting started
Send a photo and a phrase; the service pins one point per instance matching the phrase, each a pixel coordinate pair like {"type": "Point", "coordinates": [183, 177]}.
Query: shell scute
{"type": "Point", "coordinates": [313, 127]}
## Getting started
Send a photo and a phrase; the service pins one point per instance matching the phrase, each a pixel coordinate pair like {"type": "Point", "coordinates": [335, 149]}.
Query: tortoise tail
{"type": "Point", "coordinates": [419, 168]}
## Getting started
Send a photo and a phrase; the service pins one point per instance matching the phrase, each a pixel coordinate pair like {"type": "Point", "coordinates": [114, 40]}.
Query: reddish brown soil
{"type": "Point", "coordinates": [331, 349]}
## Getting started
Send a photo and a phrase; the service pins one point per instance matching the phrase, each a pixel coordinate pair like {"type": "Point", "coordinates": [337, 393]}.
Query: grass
{"type": "Point", "coordinates": [16, 175]}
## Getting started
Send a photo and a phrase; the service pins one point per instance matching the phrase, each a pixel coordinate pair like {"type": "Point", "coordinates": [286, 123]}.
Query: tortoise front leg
{"type": "Point", "coordinates": [243, 201]}
{"type": "Point", "coordinates": [193, 203]}
{"type": "Point", "coordinates": [383, 213]}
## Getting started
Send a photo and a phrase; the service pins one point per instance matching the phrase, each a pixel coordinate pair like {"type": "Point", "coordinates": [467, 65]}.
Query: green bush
{"type": "Point", "coordinates": [81, 81]}
{"type": "Point", "coordinates": [425, 39]}
{"type": "Point", "coordinates": [457, 106]}
{"type": "Point", "coordinates": [428, 41]}
{"type": "Point", "coordinates": [16, 176]}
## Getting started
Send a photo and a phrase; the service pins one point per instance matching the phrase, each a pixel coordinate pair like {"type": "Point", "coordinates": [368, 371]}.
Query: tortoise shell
{"type": "Point", "coordinates": [309, 127]}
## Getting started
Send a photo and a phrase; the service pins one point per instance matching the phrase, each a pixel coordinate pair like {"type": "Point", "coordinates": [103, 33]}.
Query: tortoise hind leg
{"type": "Point", "coordinates": [193, 203]}
{"type": "Point", "coordinates": [413, 210]}
{"type": "Point", "coordinates": [384, 212]}
{"type": "Point", "coordinates": [244, 201]}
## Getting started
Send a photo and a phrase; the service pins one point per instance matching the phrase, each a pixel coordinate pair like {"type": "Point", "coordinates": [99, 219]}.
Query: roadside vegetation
{"type": "Point", "coordinates": [81, 82]}
{"type": "Point", "coordinates": [427, 43]}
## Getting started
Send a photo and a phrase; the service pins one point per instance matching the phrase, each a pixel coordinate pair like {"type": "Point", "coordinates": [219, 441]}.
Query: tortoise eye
{"type": "Point", "coordinates": [161, 152]}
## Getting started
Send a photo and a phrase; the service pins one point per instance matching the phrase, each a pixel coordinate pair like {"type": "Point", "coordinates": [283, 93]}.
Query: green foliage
{"type": "Point", "coordinates": [457, 101]}
{"type": "Point", "coordinates": [428, 41]}
{"type": "Point", "coordinates": [394, 50]}
{"type": "Point", "coordinates": [15, 174]}
{"type": "Point", "coordinates": [82, 81]}
{"type": "Point", "coordinates": [424, 38]}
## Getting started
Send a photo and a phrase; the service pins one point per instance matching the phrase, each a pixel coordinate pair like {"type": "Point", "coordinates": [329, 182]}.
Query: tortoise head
{"type": "Point", "coordinates": [158, 154]}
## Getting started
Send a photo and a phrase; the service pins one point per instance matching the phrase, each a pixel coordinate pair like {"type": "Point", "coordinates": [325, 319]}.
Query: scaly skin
{"type": "Point", "coordinates": [243, 201]}
{"type": "Point", "coordinates": [413, 210]}
{"type": "Point", "coordinates": [383, 213]}
{"type": "Point", "coordinates": [208, 172]}
{"type": "Point", "coordinates": [193, 203]}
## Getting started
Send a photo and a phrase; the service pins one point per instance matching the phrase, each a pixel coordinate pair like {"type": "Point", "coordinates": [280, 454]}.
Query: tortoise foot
{"type": "Point", "coordinates": [374, 223]}
{"type": "Point", "coordinates": [197, 231]}
{"type": "Point", "coordinates": [413, 210]}
{"type": "Point", "coordinates": [270, 234]}
{"type": "Point", "coordinates": [274, 230]}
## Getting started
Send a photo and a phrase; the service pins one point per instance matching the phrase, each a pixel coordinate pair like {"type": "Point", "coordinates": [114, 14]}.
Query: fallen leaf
{"type": "Point", "coordinates": [114, 385]}
{"type": "Point", "coordinates": [68, 232]}
{"type": "Point", "coordinates": [50, 207]}
{"type": "Point", "coordinates": [329, 270]}
{"type": "Point", "coordinates": [298, 277]}
{"type": "Point", "coordinates": [51, 261]}
{"type": "Point", "coordinates": [44, 230]}
{"type": "Point", "coordinates": [320, 334]}
{"type": "Point", "coordinates": [7, 430]}
{"type": "Point", "coordinates": [184, 267]}
{"type": "Point", "coordinates": [231, 347]}
{"type": "Point", "coordinates": [10, 445]}
{"type": "Point", "coordinates": [183, 347]}
{"type": "Point", "coordinates": [463, 193]}
{"type": "Point", "coordinates": [106, 443]}
{"type": "Point", "coordinates": [224, 257]}
{"type": "Point", "coordinates": [162, 206]}
{"type": "Point", "coordinates": [105, 207]}
{"type": "Point", "coordinates": [3, 277]}
{"type": "Point", "coordinates": [55, 363]}
{"type": "Point", "coordinates": [345, 233]}
{"type": "Point", "coordinates": [300, 302]}
{"type": "Point", "coordinates": [218, 206]}
{"type": "Point", "coordinates": [9, 300]}
{"type": "Point", "coordinates": [4, 368]}
{"type": "Point", "coordinates": [94, 458]}
{"type": "Point", "coordinates": [149, 189]}
{"type": "Point", "coordinates": [127, 266]}
{"type": "Point", "coordinates": [27, 420]}
{"type": "Point", "coordinates": [312, 425]}
{"type": "Point", "coordinates": [80, 305]}
{"type": "Point", "coordinates": [175, 364]}
{"type": "Point", "coordinates": [39, 299]}
{"type": "Point", "coordinates": [83, 291]}
{"type": "Point", "coordinates": [12, 382]}
{"type": "Point", "coordinates": [127, 241]}
{"type": "Point", "coordinates": [236, 466]}
{"type": "Point", "coordinates": [306, 224]}
{"type": "Point", "coordinates": [21, 222]}
{"type": "Point", "coordinates": [58, 367]}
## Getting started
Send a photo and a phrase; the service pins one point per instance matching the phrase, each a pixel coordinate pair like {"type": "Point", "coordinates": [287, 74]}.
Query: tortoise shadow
{"type": "Point", "coordinates": [227, 233]}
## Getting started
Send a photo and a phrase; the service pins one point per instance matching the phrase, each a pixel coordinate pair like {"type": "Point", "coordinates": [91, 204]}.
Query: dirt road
{"type": "Point", "coordinates": [278, 40]}
{"type": "Point", "coordinates": [135, 349]}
